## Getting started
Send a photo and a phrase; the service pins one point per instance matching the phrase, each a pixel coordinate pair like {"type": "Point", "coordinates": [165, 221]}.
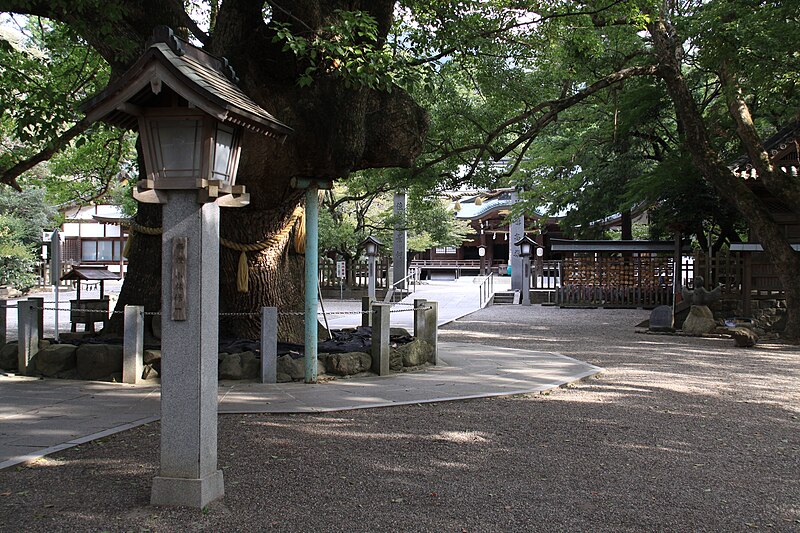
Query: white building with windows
{"type": "Point", "coordinates": [93, 235]}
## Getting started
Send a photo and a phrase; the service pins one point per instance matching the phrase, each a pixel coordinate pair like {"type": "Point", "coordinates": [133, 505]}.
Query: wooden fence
{"type": "Point", "coordinates": [648, 281]}
{"type": "Point", "coordinates": [639, 281]}
{"type": "Point", "coordinates": [356, 274]}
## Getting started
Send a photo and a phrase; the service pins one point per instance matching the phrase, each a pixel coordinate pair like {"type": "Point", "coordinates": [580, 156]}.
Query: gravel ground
{"type": "Point", "coordinates": [679, 434]}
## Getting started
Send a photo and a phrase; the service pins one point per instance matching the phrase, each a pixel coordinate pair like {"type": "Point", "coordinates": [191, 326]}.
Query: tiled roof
{"type": "Point", "coordinates": [200, 78]}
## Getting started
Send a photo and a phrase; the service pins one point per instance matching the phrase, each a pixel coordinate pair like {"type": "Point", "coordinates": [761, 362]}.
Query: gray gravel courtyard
{"type": "Point", "coordinates": [679, 434]}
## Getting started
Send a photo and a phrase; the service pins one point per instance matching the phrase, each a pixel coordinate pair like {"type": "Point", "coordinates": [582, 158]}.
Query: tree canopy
{"type": "Point", "coordinates": [587, 104]}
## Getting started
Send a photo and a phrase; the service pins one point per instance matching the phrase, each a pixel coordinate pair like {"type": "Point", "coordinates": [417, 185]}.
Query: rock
{"type": "Point", "coordinates": [8, 292]}
{"type": "Point", "coordinates": [156, 326]}
{"type": "Point", "coordinates": [149, 372]}
{"type": "Point", "coordinates": [414, 353]}
{"type": "Point", "coordinates": [251, 365]}
{"type": "Point", "coordinates": [280, 377]}
{"type": "Point", "coordinates": [347, 364]}
{"type": "Point", "coordinates": [8, 356]}
{"type": "Point", "coordinates": [399, 332]}
{"type": "Point", "coordinates": [230, 366]}
{"type": "Point", "coordinates": [152, 361]}
{"type": "Point", "coordinates": [743, 337]}
{"type": "Point", "coordinates": [72, 373]}
{"type": "Point", "coordinates": [395, 360]}
{"type": "Point", "coordinates": [98, 361]}
{"type": "Point", "coordinates": [700, 321]}
{"type": "Point", "coordinates": [54, 359]}
{"type": "Point", "coordinates": [294, 368]}
{"type": "Point", "coordinates": [151, 356]}
{"type": "Point", "coordinates": [662, 319]}
{"type": "Point", "coordinates": [242, 365]}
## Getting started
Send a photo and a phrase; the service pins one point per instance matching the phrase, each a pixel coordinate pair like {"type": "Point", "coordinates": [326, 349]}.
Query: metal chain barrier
{"type": "Point", "coordinates": [253, 314]}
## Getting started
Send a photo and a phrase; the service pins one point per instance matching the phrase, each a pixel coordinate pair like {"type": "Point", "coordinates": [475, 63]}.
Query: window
{"type": "Point", "coordinates": [101, 250]}
{"type": "Point", "coordinates": [446, 250]}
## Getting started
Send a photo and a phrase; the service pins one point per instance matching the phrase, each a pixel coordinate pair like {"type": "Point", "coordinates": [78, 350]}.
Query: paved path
{"type": "Point", "coordinates": [39, 417]}
{"type": "Point", "coordinates": [456, 299]}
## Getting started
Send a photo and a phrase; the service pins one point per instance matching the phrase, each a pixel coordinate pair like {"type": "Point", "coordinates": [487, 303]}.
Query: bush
{"type": "Point", "coordinates": [16, 266]}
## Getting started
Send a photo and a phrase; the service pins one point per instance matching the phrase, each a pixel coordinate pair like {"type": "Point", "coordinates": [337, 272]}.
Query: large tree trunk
{"type": "Point", "coordinates": [784, 259]}
{"type": "Point", "coordinates": [337, 130]}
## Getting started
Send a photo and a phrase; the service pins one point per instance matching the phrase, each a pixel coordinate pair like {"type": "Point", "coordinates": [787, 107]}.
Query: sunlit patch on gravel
{"type": "Point", "coordinates": [461, 437]}
{"type": "Point", "coordinates": [47, 462]}
{"type": "Point", "coordinates": [449, 464]}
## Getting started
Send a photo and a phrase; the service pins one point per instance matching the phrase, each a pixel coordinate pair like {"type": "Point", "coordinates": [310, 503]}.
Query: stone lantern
{"type": "Point", "coordinates": [371, 245]}
{"type": "Point", "coordinates": [526, 245]}
{"type": "Point", "coordinates": [190, 115]}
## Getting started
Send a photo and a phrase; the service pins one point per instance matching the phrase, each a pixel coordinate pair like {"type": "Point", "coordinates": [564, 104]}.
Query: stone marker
{"type": "Point", "coordinates": [133, 345]}
{"type": "Point", "coordinates": [662, 319]}
{"type": "Point", "coordinates": [380, 339]}
{"type": "Point", "coordinates": [431, 330]}
{"type": "Point", "coordinates": [28, 326]}
{"type": "Point", "coordinates": [269, 345]}
{"type": "Point", "coordinates": [38, 309]}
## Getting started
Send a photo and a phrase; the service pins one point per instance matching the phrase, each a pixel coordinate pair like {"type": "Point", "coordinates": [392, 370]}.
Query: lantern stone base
{"type": "Point", "coordinates": [174, 491]}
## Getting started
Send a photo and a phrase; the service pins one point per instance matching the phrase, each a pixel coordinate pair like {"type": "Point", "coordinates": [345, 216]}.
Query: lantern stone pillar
{"type": "Point", "coordinates": [190, 115]}
{"type": "Point", "coordinates": [190, 303]}
{"type": "Point", "coordinates": [515, 260]}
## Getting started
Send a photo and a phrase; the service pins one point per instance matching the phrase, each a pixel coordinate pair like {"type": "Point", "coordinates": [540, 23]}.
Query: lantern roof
{"type": "Point", "coordinates": [372, 240]}
{"type": "Point", "coordinates": [203, 80]}
{"type": "Point", "coordinates": [523, 240]}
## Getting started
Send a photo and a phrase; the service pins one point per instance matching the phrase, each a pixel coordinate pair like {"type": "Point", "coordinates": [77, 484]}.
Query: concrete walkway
{"type": "Point", "coordinates": [39, 417]}
{"type": "Point", "coordinates": [455, 298]}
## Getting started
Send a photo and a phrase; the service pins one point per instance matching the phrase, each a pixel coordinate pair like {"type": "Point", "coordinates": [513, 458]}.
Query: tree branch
{"type": "Point", "coordinates": [188, 23]}
{"type": "Point", "coordinates": [777, 181]}
{"type": "Point", "coordinates": [9, 176]}
{"type": "Point", "coordinates": [508, 27]}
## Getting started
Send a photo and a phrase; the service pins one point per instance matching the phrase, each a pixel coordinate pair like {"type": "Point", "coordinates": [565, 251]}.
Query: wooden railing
{"type": "Point", "coordinates": [356, 274]}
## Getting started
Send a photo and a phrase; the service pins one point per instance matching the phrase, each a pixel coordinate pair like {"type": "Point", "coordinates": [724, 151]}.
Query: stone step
{"type": "Point", "coordinates": [505, 298]}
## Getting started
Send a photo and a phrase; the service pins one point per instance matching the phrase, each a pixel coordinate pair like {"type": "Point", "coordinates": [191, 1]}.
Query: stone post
{"type": "Point", "coordinates": [419, 318]}
{"type": "Point", "coordinates": [38, 309]}
{"type": "Point", "coordinates": [380, 339]}
{"type": "Point", "coordinates": [133, 345]}
{"type": "Point", "coordinates": [188, 473]}
{"type": "Point", "coordinates": [3, 323]}
{"type": "Point", "coordinates": [400, 241]}
{"type": "Point", "coordinates": [431, 330]}
{"type": "Point", "coordinates": [269, 345]}
{"type": "Point", "coordinates": [27, 328]}
{"type": "Point", "coordinates": [366, 310]}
